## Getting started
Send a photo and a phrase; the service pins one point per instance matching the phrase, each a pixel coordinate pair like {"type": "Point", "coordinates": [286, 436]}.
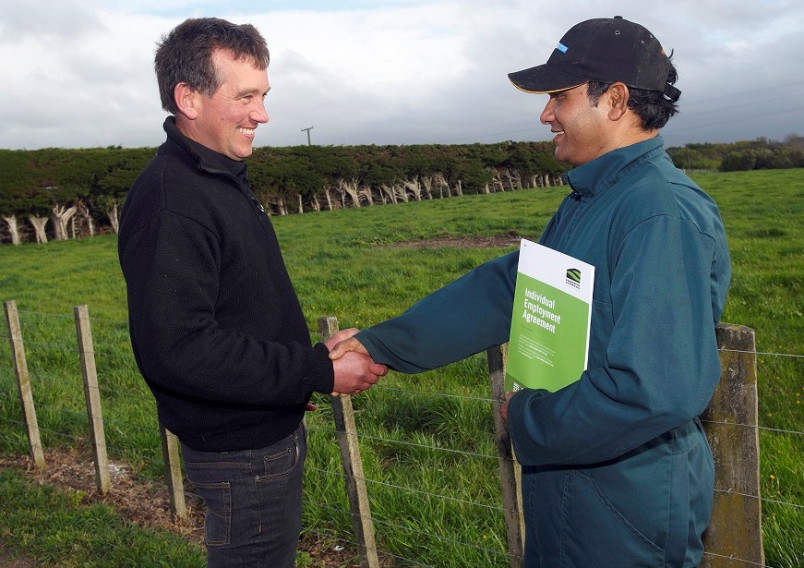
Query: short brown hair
{"type": "Point", "coordinates": [185, 55]}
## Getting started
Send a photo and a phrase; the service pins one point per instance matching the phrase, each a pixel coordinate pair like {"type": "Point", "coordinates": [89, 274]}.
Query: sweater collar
{"type": "Point", "coordinates": [606, 170]}
{"type": "Point", "coordinates": [204, 157]}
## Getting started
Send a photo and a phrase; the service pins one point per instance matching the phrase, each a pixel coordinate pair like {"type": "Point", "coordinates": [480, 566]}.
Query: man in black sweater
{"type": "Point", "coordinates": [216, 327]}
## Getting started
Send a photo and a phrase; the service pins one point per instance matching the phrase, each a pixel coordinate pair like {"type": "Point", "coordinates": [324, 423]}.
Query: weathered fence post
{"type": "Point", "coordinates": [352, 464]}
{"type": "Point", "coordinates": [509, 469]}
{"type": "Point", "coordinates": [175, 483]}
{"type": "Point", "coordinates": [24, 384]}
{"type": "Point", "coordinates": [731, 422]}
{"type": "Point", "coordinates": [86, 351]}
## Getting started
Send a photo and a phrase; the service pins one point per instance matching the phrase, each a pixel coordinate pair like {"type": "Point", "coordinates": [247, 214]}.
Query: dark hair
{"type": "Point", "coordinates": [185, 55]}
{"type": "Point", "coordinates": [653, 107]}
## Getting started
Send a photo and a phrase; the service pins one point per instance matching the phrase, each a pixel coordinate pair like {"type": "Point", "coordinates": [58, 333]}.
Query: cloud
{"type": "Point", "coordinates": [45, 22]}
{"type": "Point", "coordinates": [388, 72]}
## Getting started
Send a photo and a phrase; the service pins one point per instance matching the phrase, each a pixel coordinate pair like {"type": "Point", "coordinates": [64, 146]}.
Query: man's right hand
{"type": "Point", "coordinates": [355, 371]}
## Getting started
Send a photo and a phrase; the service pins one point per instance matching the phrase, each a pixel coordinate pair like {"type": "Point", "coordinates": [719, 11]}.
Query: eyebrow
{"type": "Point", "coordinates": [244, 92]}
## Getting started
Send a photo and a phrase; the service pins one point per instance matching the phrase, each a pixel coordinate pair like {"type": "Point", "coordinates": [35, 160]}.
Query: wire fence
{"type": "Point", "coordinates": [400, 504]}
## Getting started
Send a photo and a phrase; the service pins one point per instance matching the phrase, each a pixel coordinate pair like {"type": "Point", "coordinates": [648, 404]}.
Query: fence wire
{"type": "Point", "coordinates": [70, 424]}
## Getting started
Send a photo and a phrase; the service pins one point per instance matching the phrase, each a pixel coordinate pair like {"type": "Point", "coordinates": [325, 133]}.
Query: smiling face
{"type": "Point", "coordinates": [581, 130]}
{"type": "Point", "coordinates": [225, 122]}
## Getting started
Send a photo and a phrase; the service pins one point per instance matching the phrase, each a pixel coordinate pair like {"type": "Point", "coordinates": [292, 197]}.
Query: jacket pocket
{"type": "Point", "coordinates": [597, 526]}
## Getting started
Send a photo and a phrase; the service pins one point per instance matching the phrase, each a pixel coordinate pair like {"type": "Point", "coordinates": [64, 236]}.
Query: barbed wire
{"type": "Point", "coordinates": [732, 558]}
{"type": "Point", "coordinates": [81, 420]}
{"type": "Point", "coordinates": [4, 333]}
{"type": "Point", "coordinates": [77, 440]}
{"type": "Point", "coordinates": [356, 545]}
{"type": "Point", "coordinates": [408, 529]}
{"type": "Point", "coordinates": [414, 490]}
{"type": "Point", "coordinates": [405, 443]}
{"type": "Point", "coordinates": [765, 353]}
{"type": "Point", "coordinates": [754, 426]}
{"type": "Point", "coordinates": [122, 451]}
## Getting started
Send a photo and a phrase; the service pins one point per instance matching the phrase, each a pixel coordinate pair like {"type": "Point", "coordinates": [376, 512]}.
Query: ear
{"type": "Point", "coordinates": [617, 100]}
{"type": "Point", "coordinates": [187, 100]}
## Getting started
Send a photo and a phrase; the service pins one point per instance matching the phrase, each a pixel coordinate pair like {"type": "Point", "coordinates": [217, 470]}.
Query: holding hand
{"type": "Point", "coordinates": [345, 344]}
{"type": "Point", "coordinates": [355, 371]}
{"type": "Point", "coordinates": [504, 407]}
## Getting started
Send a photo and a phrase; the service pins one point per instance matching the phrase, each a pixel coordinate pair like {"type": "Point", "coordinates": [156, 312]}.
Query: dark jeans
{"type": "Point", "coordinates": [253, 502]}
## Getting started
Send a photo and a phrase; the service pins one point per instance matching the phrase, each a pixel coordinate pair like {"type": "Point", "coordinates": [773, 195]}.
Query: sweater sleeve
{"type": "Point", "coordinates": [657, 364]}
{"type": "Point", "coordinates": [464, 317]}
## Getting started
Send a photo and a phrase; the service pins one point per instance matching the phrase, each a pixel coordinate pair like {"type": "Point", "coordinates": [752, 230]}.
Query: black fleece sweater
{"type": "Point", "coordinates": [216, 327]}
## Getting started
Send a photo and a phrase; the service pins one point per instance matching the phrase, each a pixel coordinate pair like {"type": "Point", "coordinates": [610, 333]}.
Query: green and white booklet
{"type": "Point", "coordinates": [551, 317]}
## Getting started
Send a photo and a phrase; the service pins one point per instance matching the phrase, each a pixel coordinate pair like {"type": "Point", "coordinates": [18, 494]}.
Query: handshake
{"type": "Point", "coordinates": [355, 371]}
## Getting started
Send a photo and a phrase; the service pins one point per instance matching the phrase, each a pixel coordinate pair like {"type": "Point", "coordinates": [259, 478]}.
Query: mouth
{"type": "Point", "coordinates": [246, 131]}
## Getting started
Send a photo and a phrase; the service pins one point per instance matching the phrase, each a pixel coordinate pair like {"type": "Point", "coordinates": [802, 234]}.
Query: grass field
{"type": "Point", "coordinates": [425, 436]}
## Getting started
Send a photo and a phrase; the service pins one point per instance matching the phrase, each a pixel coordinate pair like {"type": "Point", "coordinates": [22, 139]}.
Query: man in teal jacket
{"type": "Point", "coordinates": [617, 471]}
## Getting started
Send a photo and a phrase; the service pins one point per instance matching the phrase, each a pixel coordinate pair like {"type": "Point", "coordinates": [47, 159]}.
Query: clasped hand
{"type": "Point", "coordinates": [355, 371]}
{"type": "Point", "coordinates": [343, 347]}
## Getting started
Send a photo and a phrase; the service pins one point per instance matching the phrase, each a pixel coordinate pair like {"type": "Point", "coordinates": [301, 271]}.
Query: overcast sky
{"type": "Point", "coordinates": [79, 74]}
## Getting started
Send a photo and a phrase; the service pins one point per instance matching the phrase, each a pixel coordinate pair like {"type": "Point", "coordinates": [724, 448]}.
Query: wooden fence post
{"type": "Point", "coordinates": [352, 465]}
{"type": "Point", "coordinates": [731, 421]}
{"type": "Point", "coordinates": [509, 468]}
{"type": "Point", "coordinates": [171, 457]}
{"type": "Point", "coordinates": [24, 384]}
{"type": "Point", "coordinates": [86, 351]}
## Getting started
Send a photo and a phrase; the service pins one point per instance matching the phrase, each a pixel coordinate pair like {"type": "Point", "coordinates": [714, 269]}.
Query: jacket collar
{"type": "Point", "coordinates": [205, 158]}
{"type": "Point", "coordinates": [606, 170]}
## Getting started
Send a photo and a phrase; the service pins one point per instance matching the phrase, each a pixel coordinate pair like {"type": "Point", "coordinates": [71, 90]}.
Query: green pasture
{"type": "Point", "coordinates": [427, 439]}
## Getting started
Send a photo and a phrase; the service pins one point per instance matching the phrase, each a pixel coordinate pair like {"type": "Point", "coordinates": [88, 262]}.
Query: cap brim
{"type": "Point", "coordinates": [544, 79]}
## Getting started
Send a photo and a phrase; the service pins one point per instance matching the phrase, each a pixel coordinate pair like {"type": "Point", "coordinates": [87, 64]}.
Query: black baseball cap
{"type": "Point", "coordinates": [606, 50]}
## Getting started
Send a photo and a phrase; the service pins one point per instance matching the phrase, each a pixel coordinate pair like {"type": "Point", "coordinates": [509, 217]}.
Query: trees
{"type": "Point", "coordinates": [60, 193]}
{"type": "Point", "coordinates": [116, 173]}
{"type": "Point", "coordinates": [12, 191]}
{"type": "Point", "coordinates": [760, 153]}
{"type": "Point", "coordinates": [63, 193]}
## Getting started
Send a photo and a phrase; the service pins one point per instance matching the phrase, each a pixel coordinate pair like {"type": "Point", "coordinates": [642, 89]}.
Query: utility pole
{"type": "Point", "coordinates": [308, 134]}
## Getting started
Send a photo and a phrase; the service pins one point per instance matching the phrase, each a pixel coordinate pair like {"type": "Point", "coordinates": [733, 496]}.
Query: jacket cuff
{"type": "Point", "coordinates": [320, 375]}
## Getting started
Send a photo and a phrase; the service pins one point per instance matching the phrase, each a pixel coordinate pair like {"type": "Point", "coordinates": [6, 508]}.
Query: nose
{"type": "Point", "coordinates": [547, 114]}
{"type": "Point", "coordinates": [260, 113]}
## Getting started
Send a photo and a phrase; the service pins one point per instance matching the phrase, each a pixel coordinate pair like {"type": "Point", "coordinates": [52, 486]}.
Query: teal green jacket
{"type": "Point", "coordinates": [617, 471]}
